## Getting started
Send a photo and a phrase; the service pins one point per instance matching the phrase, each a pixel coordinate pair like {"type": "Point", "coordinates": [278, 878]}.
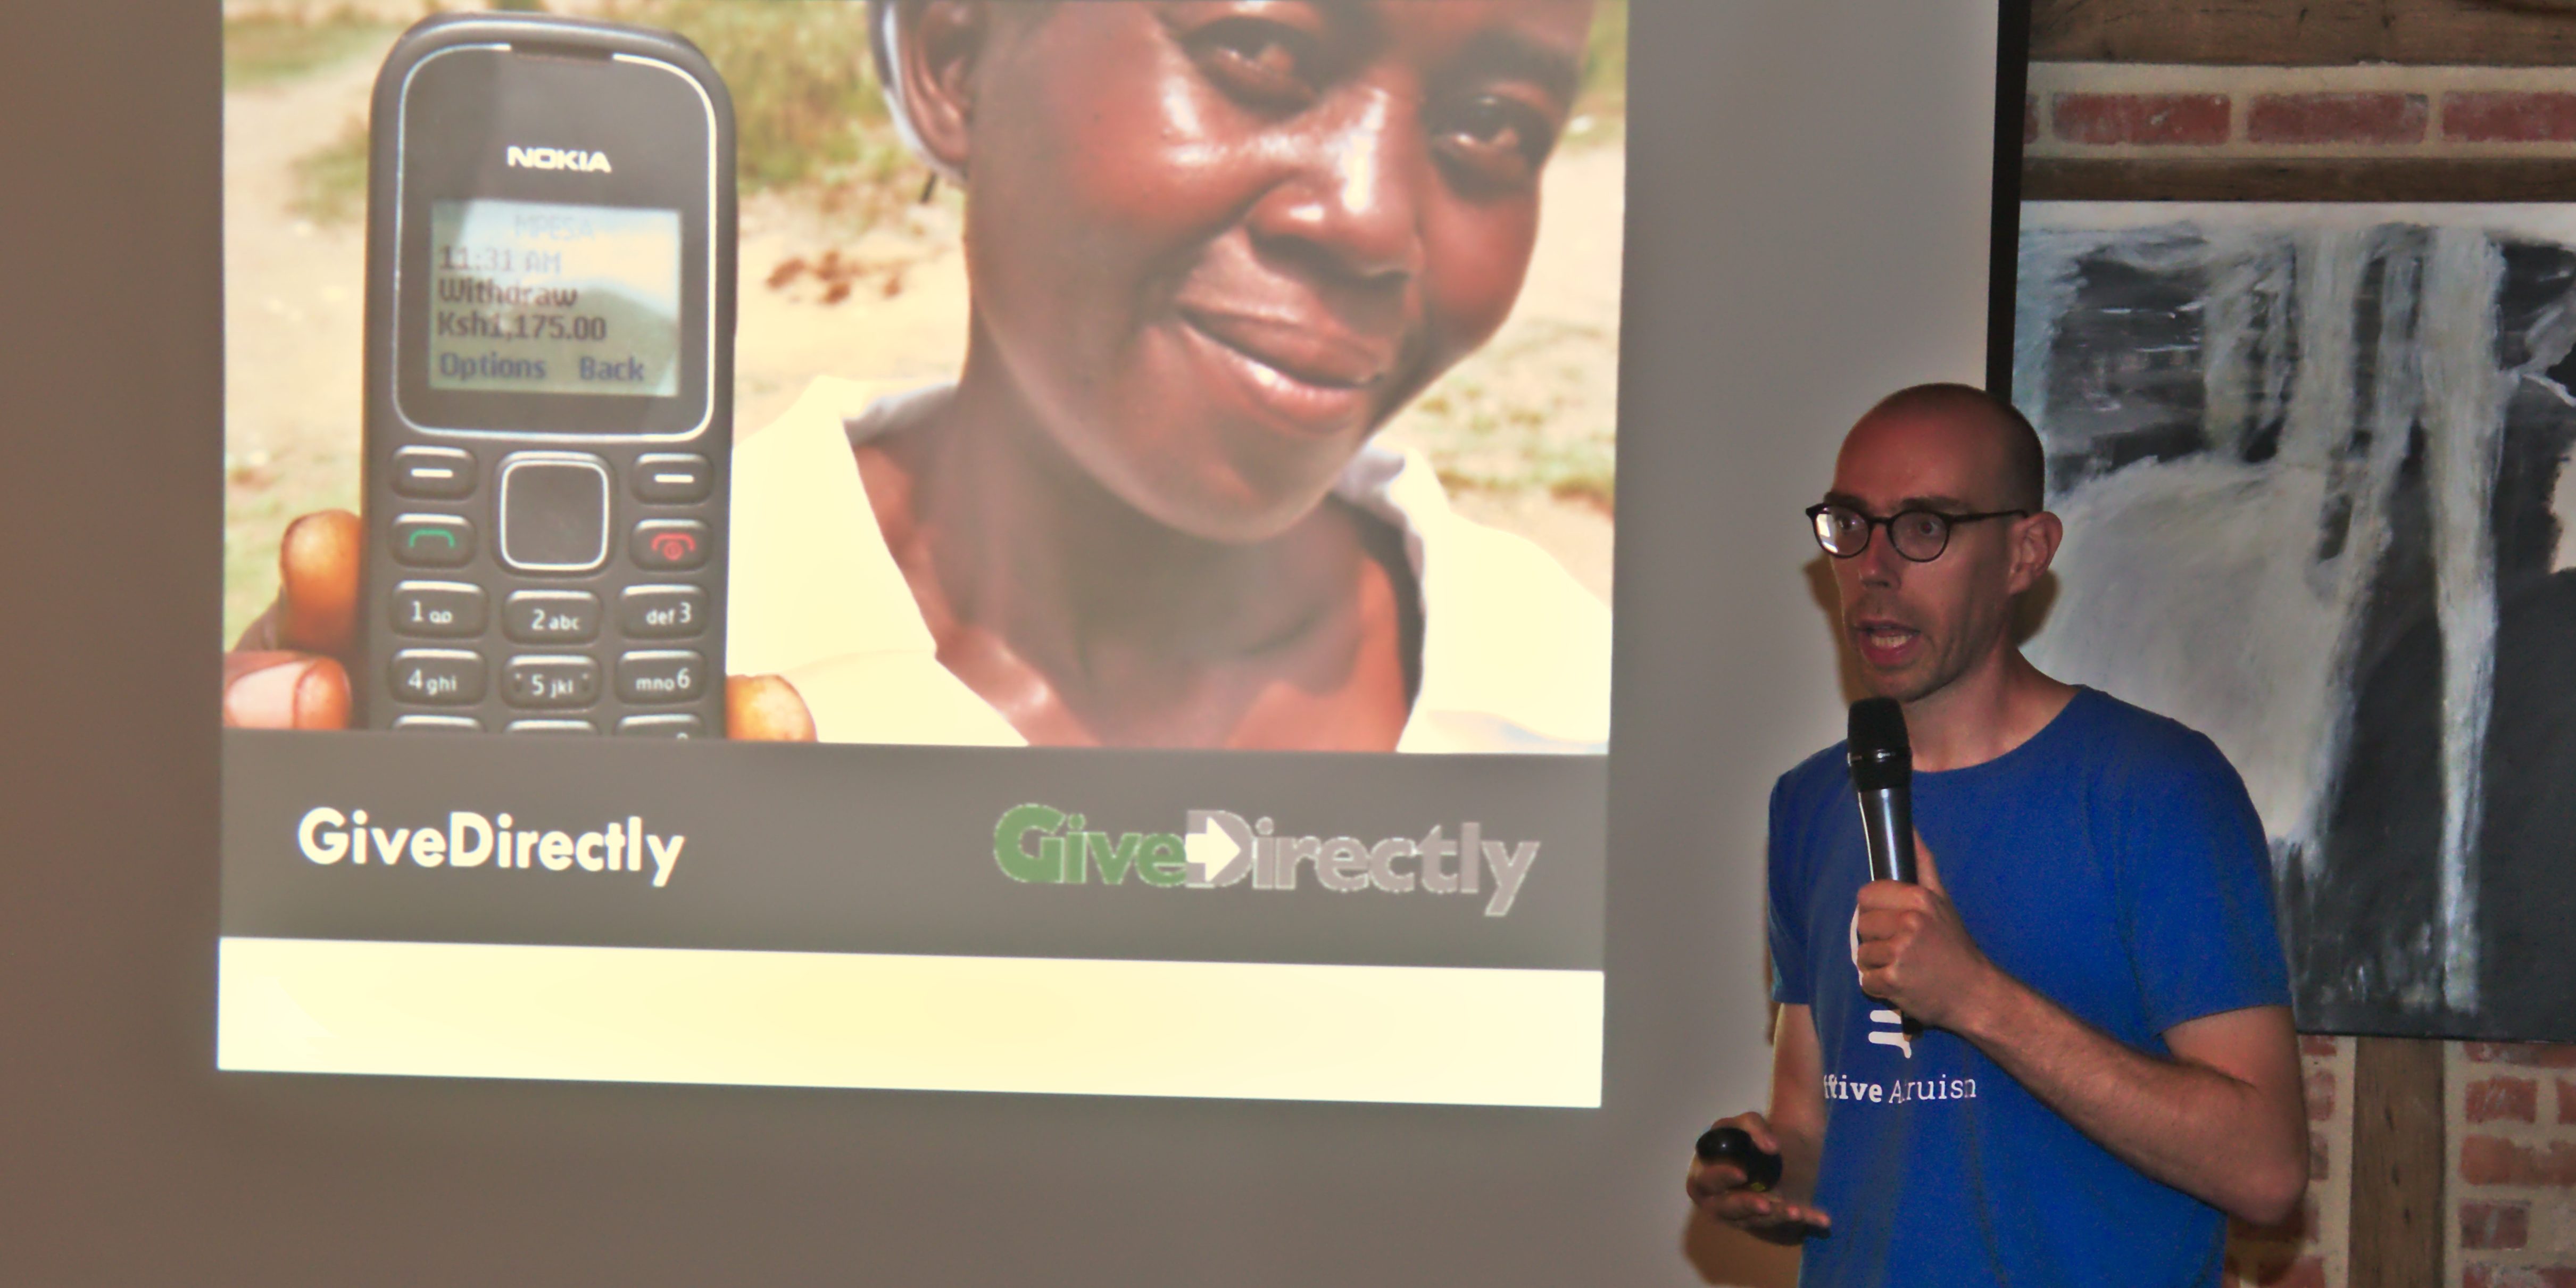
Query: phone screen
{"type": "Point", "coordinates": [542, 297]}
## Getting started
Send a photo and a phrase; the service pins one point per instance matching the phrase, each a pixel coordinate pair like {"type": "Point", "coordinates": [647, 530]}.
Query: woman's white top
{"type": "Point", "coordinates": [1515, 652]}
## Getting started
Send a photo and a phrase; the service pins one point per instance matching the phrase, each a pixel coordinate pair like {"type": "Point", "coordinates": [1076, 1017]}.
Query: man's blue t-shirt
{"type": "Point", "coordinates": [2114, 864]}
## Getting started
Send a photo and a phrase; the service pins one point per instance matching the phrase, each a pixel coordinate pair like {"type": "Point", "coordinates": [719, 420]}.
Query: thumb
{"type": "Point", "coordinates": [317, 596]}
{"type": "Point", "coordinates": [1927, 871]}
{"type": "Point", "coordinates": [269, 689]}
{"type": "Point", "coordinates": [766, 708]}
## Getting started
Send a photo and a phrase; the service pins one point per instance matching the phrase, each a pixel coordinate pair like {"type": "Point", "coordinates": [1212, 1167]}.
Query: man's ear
{"type": "Point", "coordinates": [941, 43]}
{"type": "Point", "coordinates": [2035, 542]}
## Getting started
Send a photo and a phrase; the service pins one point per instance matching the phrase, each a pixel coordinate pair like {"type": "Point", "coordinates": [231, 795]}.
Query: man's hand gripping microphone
{"type": "Point", "coordinates": [1882, 774]}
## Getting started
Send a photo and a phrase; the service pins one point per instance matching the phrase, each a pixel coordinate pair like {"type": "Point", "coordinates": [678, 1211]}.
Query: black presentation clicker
{"type": "Point", "coordinates": [549, 416]}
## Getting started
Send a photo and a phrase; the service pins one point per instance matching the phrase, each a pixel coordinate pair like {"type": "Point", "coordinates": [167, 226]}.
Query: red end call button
{"type": "Point", "coordinates": [670, 545]}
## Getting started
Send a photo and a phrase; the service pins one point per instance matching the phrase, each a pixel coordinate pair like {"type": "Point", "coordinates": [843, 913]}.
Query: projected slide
{"type": "Point", "coordinates": [1158, 641]}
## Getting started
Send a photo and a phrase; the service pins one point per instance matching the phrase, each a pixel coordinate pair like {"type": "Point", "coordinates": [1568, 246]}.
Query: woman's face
{"type": "Point", "coordinates": [1215, 245]}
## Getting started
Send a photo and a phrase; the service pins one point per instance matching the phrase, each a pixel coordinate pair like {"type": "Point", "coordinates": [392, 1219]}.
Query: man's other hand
{"type": "Point", "coordinates": [1718, 1189]}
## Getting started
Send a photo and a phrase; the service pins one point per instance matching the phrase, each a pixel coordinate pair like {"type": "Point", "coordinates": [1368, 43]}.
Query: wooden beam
{"type": "Point", "coordinates": [2411, 179]}
{"type": "Point", "coordinates": [2398, 1163]}
{"type": "Point", "coordinates": [2304, 33]}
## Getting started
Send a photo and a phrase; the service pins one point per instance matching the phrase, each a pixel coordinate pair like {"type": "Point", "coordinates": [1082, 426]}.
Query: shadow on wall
{"type": "Point", "coordinates": [1731, 1258]}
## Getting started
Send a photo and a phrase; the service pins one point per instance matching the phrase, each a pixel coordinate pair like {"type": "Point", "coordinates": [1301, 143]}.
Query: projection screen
{"type": "Point", "coordinates": [1392, 915]}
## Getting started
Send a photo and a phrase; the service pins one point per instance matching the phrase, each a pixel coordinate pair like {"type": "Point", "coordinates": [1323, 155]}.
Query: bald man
{"type": "Point", "coordinates": [2104, 1069]}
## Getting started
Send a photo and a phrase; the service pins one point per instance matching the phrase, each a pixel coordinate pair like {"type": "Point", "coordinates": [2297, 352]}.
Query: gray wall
{"type": "Point", "coordinates": [1809, 188]}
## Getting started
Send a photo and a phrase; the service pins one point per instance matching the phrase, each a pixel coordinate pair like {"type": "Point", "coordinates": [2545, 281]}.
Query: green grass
{"type": "Point", "coordinates": [1535, 413]}
{"type": "Point", "coordinates": [1605, 63]}
{"type": "Point", "coordinates": [805, 101]}
{"type": "Point", "coordinates": [807, 111]}
{"type": "Point", "coordinates": [806, 104]}
{"type": "Point", "coordinates": [331, 180]}
{"type": "Point", "coordinates": [807, 114]}
{"type": "Point", "coordinates": [1583, 470]}
{"type": "Point", "coordinates": [266, 49]}
{"type": "Point", "coordinates": [263, 492]}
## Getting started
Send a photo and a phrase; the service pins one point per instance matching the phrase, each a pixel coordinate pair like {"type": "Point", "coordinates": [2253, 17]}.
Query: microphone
{"type": "Point", "coordinates": [1735, 1145]}
{"type": "Point", "coordinates": [1882, 773]}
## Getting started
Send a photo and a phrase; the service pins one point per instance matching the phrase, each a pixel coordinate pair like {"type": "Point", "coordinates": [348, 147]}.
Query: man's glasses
{"type": "Point", "coordinates": [1920, 535]}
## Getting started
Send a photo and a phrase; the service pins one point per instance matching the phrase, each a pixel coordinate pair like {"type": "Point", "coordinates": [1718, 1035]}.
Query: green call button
{"type": "Point", "coordinates": [433, 541]}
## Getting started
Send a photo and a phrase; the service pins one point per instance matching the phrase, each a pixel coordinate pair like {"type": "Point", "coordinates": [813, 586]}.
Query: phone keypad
{"type": "Point", "coordinates": [661, 675]}
{"type": "Point", "coordinates": [434, 473]}
{"type": "Point", "coordinates": [438, 677]}
{"type": "Point", "coordinates": [564, 660]}
{"type": "Point", "coordinates": [670, 545]}
{"type": "Point", "coordinates": [439, 609]}
{"type": "Point", "coordinates": [662, 612]}
{"type": "Point", "coordinates": [662, 726]}
{"type": "Point", "coordinates": [439, 724]}
{"type": "Point", "coordinates": [673, 478]}
{"type": "Point", "coordinates": [433, 541]}
{"type": "Point", "coordinates": [551, 616]}
{"type": "Point", "coordinates": [553, 726]}
{"type": "Point", "coordinates": [554, 512]}
{"type": "Point", "coordinates": [551, 680]}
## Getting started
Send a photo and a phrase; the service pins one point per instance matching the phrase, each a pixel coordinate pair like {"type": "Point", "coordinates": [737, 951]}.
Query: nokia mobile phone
{"type": "Point", "coordinates": [549, 414]}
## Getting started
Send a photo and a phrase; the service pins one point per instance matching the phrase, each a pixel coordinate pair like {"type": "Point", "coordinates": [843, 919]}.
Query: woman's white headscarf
{"type": "Point", "coordinates": [885, 43]}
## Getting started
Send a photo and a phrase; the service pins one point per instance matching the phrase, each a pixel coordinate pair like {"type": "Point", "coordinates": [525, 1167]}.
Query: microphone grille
{"type": "Point", "coordinates": [1877, 727]}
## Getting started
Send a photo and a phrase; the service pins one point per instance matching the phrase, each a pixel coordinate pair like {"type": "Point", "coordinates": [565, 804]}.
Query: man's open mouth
{"type": "Point", "coordinates": [1885, 643]}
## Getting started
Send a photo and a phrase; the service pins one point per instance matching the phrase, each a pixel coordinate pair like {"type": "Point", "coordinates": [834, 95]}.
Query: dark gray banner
{"type": "Point", "coordinates": [1234, 856]}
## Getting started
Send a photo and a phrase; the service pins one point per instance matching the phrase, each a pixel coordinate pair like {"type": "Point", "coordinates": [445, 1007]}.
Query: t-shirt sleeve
{"type": "Point", "coordinates": [1790, 985]}
{"type": "Point", "coordinates": [2197, 873]}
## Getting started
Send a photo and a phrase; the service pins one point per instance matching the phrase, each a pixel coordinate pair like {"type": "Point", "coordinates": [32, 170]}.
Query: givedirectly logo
{"type": "Point", "coordinates": [557, 159]}
{"type": "Point", "coordinates": [1042, 845]}
{"type": "Point", "coordinates": [325, 837]}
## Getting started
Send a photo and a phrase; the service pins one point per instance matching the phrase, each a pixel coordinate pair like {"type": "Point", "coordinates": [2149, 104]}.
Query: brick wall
{"type": "Point", "coordinates": [2175, 112]}
{"type": "Point", "coordinates": [2309, 1250]}
{"type": "Point", "coordinates": [2513, 1165]}
{"type": "Point", "coordinates": [2510, 1194]}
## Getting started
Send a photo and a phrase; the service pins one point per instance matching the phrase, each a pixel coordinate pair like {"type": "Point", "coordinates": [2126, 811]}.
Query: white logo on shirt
{"type": "Point", "coordinates": [1838, 1087]}
{"type": "Point", "coordinates": [1896, 1039]}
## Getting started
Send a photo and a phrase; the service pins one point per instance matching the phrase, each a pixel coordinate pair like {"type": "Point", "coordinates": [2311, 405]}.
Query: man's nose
{"type": "Point", "coordinates": [1357, 200]}
{"type": "Point", "coordinates": [1878, 563]}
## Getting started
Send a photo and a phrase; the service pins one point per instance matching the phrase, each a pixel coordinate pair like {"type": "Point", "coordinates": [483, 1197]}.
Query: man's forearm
{"type": "Point", "coordinates": [1797, 1117]}
{"type": "Point", "coordinates": [2196, 1128]}
{"type": "Point", "coordinates": [1801, 1152]}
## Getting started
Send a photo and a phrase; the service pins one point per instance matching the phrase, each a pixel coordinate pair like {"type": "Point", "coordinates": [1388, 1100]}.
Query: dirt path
{"type": "Point", "coordinates": [294, 296]}
{"type": "Point", "coordinates": [294, 324]}
{"type": "Point", "coordinates": [1557, 359]}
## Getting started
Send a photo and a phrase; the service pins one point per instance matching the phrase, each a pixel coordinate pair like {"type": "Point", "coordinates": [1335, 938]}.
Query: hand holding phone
{"type": "Point", "coordinates": [290, 668]}
{"type": "Point", "coordinates": [548, 422]}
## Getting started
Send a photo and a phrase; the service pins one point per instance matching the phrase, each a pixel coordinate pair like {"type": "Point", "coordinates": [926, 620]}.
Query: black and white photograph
{"type": "Point", "coordinates": [2312, 460]}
